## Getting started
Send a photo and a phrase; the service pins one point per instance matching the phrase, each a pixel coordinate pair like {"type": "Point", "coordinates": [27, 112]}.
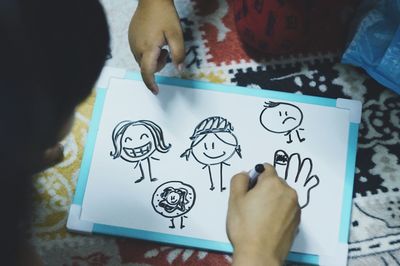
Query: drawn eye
{"type": "Point", "coordinates": [205, 146]}
{"type": "Point", "coordinates": [212, 145]}
{"type": "Point", "coordinates": [127, 138]}
{"type": "Point", "coordinates": [144, 135]}
{"type": "Point", "coordinates": [280, 114]}
{"type": "Point", "coordinates": [286, 113]}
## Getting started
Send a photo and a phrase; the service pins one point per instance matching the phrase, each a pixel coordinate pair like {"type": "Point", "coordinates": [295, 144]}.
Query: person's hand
{"type": "Point", "coordinates": [262, 222]}
{"type": "Point", "coordinates": [49, 158]}
{"type": "Point", "coordinates": [155, 24]}
{"type": "Point", "coordinates": [55, 153]}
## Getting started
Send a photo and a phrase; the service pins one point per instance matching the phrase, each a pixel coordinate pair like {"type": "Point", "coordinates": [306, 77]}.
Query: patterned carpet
{"type": "Point", "coordinates": [214, 54]}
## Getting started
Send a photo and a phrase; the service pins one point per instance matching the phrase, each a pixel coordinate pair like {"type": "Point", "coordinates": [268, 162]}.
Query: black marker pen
{"type": "Point", "coordinates": [254, 173]}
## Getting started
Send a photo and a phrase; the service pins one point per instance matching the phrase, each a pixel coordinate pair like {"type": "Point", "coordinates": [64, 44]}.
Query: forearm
{"type": "Point", "coordinates": [156, 1]}
{"type": "Point", "coordinates": [261, 238]}
{"type": "Point", "coordinates": [251, 257]}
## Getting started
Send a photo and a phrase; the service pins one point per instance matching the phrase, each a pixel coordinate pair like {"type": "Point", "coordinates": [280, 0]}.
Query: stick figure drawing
{"type": "Point", "coordinates": [136, 141]}
{"type": "Point", "coordinates": [174, 199]}
{"type": "Point", "coordinates": [213, 143]}
{"type": "Point", "coordinates": [282, 118]}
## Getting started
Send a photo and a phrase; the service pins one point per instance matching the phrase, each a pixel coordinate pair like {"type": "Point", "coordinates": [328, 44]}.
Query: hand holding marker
{"type": "Point", "coordinates": [254, 173]}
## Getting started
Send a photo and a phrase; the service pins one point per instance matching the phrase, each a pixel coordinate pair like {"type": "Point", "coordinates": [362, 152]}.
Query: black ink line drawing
{"type": "Point", "coordinates": [213, 143]}
{"type": "Point", "coordinates": [174, 199]}
{"type": "Point", "coordinates": [297, 174]}
{"type": "Point", "coordinates": [282, 118]}
{"type": "Point", "coordinates": [136, 141]}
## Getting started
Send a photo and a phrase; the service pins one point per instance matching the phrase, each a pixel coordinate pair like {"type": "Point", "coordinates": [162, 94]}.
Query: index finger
{"type": "Point", "coordinates": [148, 66]}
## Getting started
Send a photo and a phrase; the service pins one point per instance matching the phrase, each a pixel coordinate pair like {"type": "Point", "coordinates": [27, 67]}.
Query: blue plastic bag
{"type": "Point", "coordinates": [375, 46]}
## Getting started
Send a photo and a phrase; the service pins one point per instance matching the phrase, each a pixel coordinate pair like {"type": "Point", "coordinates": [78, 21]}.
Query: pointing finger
{"type": "Point", "coordinates": [148, 67]}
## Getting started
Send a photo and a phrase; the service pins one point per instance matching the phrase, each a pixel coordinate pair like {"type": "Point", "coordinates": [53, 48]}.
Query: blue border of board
{"type": "Point", "coordinates": [201, 243]}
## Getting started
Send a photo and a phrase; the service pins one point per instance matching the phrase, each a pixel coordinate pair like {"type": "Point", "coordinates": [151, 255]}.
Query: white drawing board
{"type": "Point", "coordinates": [156, 163]}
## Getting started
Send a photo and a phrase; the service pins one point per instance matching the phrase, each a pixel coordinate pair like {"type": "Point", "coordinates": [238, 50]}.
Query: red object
{"type": "Point", "coordinates": [229, 49]}
{"type": "Point", "coordinates": [287, 26]}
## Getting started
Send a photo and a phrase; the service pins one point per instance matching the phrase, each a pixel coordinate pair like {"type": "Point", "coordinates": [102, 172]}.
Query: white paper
{"type": "Point", "coordinates": [112, 197]}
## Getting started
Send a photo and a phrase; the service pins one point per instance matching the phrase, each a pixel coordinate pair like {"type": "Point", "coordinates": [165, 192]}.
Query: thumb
{"type": "Point", "coordinates": [174, 38]}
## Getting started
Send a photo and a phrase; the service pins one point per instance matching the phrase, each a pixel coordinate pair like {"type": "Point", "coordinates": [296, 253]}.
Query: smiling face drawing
{"type": "Point", "coordinates": [173, 199]}
{"type": "Point", "coordinates": [278, 117]}
{"type": "Point", "coordinates": [137, 143]}
{"type": "Point", "coordinates": [214, 148]}
{"type": "Point", "coordinates": [213, 143]}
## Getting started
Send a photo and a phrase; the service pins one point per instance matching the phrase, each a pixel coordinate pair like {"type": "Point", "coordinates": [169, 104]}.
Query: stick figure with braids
{"type": "Point", "coordinates": [213, 144]}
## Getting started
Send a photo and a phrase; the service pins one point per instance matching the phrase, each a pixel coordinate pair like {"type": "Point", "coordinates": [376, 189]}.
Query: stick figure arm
{"type": "Point", "coordinates": [136, 164]}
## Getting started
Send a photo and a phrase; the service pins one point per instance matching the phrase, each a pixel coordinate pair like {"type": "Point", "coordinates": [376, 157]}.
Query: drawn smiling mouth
{"type": "Point", "coordinates": [138, 151]}
{"type": "Point", "coordinates": [214, 157]}
{"type": "Point", "coordinates": [287, 118]}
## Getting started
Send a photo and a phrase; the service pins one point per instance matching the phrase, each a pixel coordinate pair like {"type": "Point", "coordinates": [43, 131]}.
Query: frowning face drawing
{"type": "Point", "coordinates": [279, 117]}
{"type": "Point", "coordinates": [136, 142]}
{"type": "Point", "coordinates": [282, 118]}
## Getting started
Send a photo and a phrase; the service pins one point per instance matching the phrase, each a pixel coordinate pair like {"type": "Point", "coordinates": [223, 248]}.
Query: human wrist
{"type": "Point", "coordinates": [155, 1]}
{"type": "Point", "coordinates": [155, 5]}
{"type": "Point", "coordinates": [254, 257]}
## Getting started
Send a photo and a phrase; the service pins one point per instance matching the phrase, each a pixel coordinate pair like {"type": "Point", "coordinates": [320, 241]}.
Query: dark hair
{"type": "Point", "coordinates": [271, 104]}
{"type": "Point", "coordinates": [156, 134]}
{"type": "Point", "coordinates": [51, 53]}
{"type": "Point", "coordinates": [213, 124]}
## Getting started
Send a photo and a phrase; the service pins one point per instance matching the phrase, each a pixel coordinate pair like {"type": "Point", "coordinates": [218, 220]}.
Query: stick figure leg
{"type": "Point", "coordinates": [211, 180]}
{"type": "Point", "coordinates": [149, 167]}
{"type": "Point", "coordinates": [290, 138]}
{"type": "Point", "coordinates": [298, 136]}
{"type": "Point", "coordinates": [182, 225]}
{"type": "Point", "coordinates": [141, 171]}
{"type": "Point", "coordinates": [172, 223]}
{"type": "Point", "coordinates": [221, 178]}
